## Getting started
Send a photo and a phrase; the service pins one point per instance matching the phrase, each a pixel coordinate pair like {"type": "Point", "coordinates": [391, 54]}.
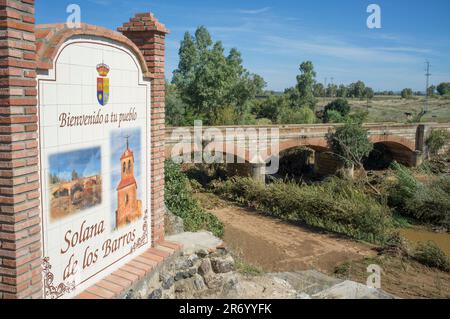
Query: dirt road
{"type": "Point", "coordinates": [274, 245]}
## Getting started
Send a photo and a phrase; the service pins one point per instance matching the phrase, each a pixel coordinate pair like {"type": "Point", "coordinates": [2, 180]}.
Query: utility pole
{"type": "Point", "coordinates": [425, 110]}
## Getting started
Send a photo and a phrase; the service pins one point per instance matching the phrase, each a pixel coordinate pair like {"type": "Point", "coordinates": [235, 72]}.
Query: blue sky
{"type": "Point", "coordinates": [274, 37]}
{"type": "Point", "coordinates": [85, 162]}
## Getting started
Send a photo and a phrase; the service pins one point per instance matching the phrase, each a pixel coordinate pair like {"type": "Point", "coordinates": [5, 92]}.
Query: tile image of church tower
{"type": "Point", "coordinates": [129, 207]}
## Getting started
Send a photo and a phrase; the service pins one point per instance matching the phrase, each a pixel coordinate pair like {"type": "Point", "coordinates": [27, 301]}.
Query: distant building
{"type": "Point", "coordinates": [129, 207]}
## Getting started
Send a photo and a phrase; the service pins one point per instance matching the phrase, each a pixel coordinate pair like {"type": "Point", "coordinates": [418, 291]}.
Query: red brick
{"type": "Point", "coordinates": [87, 295]}
{"type": "Point", "coordinates": [141, 266]}
{"type": "Point", "coordinates": [127, 275]}
{"type": "Point", "coordinates": [154, 257]}
{"type": "Point", "coordinates": [123, 282]}
{"type": "Point", "coordinates": [159, 252]}
{"type": "Point", "coordinates": [114, 288]}
{"type": "Point", "coordinates": [133, 270]}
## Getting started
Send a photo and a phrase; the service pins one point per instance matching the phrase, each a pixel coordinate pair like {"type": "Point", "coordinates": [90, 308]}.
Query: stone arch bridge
{"type": "Point", "coordinates": [405, 142]}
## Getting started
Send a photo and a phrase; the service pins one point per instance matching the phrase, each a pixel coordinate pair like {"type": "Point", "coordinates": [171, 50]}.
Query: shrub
{"type": "Point", "coordinates": [304, 115]}
{"type": "Point", "coordinates": [334, 205]}
{"type": "Point", "coordinates": [437, 140]}
{"type": "Point", "coordinates": [406, 93]}
{"type": "Point", "coordinates": [429, 254]}
{"type": "Point", "coordinates": [351, 142]}
{"type": "Point", "coordinates": [333, 116]}
{"type": "Point", "coordinates": [339, 105]}
{"type": "Point", "coordinates": [428, 203]}
{"type": "Point", "coordinates": [180, 201]}
{"type": "Point", "coordinates": [443, 88]}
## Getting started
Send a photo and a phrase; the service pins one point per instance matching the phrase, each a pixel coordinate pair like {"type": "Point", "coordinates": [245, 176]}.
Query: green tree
{"type": "Point", "coordinates": [443, 88]}
{"type": "Point", "coordinates": [209, 81]}
{"type": "Point", "coordinates": [369, 93]}
{"type": "Point", "coordinates": [304, 115]}
{"type": "Point", "coordinates": [339, 105]}
{"type": "Point", "coordinates": [357, 89]}
{"type": "Point", "coordinates": [333, 116]}
{"type": "Point", "coordinates": [332, 90]}
{"type": "Point", "coordinates": [177, 112]}
{"type": "Point", "coordinates": [319, 90]}
{"type": "Point", "coordinates": [437, 141]}
{"type": "Point", "coordinates": [351, 142]}
{"type": "Point", "coordinates": [342, 91]}
{"type": "Point", "coordinates": [406, 93]}
{"type": "Point", "coordinates": [271, 107]}
{"type": "Point", "coordinates": [305, 86]}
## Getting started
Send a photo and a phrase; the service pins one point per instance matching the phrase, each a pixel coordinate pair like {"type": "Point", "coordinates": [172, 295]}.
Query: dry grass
{"type": "Point", "coordinates": [402, 277]}
{"type": "Point", "coordinates": [393, 108]}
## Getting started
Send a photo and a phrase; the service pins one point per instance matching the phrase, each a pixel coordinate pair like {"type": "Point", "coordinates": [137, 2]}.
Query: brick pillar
{"type": "Point", "coordinates": [20, 224]}
{"type": "Point", "coordinates": [149, 36]}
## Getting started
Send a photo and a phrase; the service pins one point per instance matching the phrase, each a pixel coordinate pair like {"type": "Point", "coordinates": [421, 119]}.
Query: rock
{"type": "Point", "coordinates": [199, 283]}
{"type": "Point", "coordinates": [222, 249]}
{"type": "Point", "coordinates": [168, 283]}
{"type": "Point", "coordinates": [192, 271]}
{"type": "Point", "coordinates": [173, 225]}
{"type": "Point", "coordinates": [222, 265]}
{"type": "Point", "coordinates": [194, 258]}
{"type": "Point", "coordinates": [156, 294]}
{"type": "Point", "coordinates": [132, 295]}
{"type": "Point", "coordinates": [183, 263]}
{"type": "Point", "coordinates": [352, 290]}
{"type": "Point", "coordinates": [163, 276]}
{"type": "Point", "coordinates": [231, 282]}
{"type": "Point", "coordinates": [202, 253]}
{"type": "Point", "coordinates": [205, 267]}
{"type": "Point", "coordinates": [213, 281]}
{"type": "Point", "coordinates": [182, 275]}
{"type": "Point", "coordinates": [193, 242]}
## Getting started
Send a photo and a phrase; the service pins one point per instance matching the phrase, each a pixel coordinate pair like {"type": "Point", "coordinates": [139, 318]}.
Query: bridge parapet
{"type": "Point", "coordinates": [405, 141]}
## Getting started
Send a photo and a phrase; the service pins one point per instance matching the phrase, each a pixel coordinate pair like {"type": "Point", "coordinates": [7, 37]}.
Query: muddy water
{"type": "Point", "coordinates": [416, 235]}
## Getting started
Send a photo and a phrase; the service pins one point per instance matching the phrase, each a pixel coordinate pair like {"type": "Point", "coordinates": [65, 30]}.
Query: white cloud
{"type": "Point", "coordinates": [341, 50]}
{"type": "Point", "coordinates": [255, 11]}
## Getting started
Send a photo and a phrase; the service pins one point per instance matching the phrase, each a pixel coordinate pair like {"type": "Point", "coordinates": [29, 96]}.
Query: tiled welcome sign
{"type": "Point", "coordinates": [94, 129]}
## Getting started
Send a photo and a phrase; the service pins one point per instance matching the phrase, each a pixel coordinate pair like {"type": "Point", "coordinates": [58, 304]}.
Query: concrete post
{"type": "Point", "coordinates": [423, 132]}
{"type": "Point", "coordinates": [259, 172]}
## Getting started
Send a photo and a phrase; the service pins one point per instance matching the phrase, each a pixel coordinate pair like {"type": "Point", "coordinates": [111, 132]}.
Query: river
{"type": "Point", "coordinates": [416, 235]}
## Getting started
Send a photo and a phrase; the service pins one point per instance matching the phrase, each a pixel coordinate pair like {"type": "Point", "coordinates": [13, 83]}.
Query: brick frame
{"type": "Point", "coordinates": [21, 56]}
{"type": "Point", "coordinates": [148, 34]}
{"type": "Point", "coordinates": [20, 224]}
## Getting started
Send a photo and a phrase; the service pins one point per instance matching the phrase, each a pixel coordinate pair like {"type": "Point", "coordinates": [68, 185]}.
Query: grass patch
{"type": "Point", "coordinates": [401, 221]}
{"type": "Point", "coordinates": [429, 254]}
{"type": "Point", "coordinates": [247, 269]}
{"type": "Point", "coordinates": [335, 205]}
{"type": "Point", "coordinates": [427, 203]}
{"type": "Point", "coordinates": [180, 201]}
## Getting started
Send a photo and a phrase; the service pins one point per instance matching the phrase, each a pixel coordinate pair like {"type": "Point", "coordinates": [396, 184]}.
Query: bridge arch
{"type": "Point", "coordinates": [316, 144]}
{"type": "Point", "coordinates": [391, 148]}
